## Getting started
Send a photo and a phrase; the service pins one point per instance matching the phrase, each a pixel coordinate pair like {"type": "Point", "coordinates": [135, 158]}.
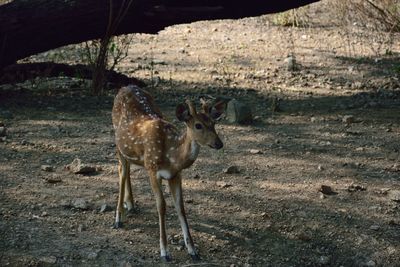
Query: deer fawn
{"type": "Point", "coordinates": [144, 138]}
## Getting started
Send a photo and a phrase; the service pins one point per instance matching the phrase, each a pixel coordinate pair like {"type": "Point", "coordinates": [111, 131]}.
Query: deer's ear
{"type": "Point", "coordinates": [182, 112]}
{"type": "Point", "coordinates": [217, 110]}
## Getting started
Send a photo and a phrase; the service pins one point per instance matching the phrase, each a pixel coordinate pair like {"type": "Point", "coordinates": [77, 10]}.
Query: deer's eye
{"type": "Point", "coordinates": [198, 126]}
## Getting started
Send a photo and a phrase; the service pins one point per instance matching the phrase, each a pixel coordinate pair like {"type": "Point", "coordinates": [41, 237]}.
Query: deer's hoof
{"type": "Point", "coordinates": [117, 225]}
{"type": "Point", "coordinates": [195, 257]}
{"type": "Point", "coordinates": [166, 258]}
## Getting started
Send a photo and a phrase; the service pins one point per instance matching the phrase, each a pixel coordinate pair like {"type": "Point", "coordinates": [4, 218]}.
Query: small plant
{"type": "Point", "coordinates": [292, 18]}
{"type": "Point", "coordinates": [105, 53]}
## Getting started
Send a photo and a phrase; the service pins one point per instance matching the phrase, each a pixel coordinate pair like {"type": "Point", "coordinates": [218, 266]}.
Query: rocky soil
{"type": "Point", "coordinates": [314, 180]}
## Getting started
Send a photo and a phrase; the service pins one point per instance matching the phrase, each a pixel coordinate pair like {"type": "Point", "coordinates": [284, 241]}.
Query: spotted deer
{"type": "Point", "coordinates": [143, 137]}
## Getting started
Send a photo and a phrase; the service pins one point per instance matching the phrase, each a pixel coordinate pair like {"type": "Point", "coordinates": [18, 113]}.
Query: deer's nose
{"type": "Point", "coordinates": [218, 144]}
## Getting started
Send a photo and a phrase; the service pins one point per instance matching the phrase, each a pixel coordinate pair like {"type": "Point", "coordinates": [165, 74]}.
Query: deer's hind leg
{"type": "Point", "coordinates": [124, 187]}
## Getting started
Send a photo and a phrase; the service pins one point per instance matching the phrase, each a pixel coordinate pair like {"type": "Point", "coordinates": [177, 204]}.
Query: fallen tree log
{"type": "Point", "coordinates": [31, 27]}
{"type": "Point", "coordinates": [17, 73]}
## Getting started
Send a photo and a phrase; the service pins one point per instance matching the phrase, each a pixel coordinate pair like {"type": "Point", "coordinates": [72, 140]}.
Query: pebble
{"type": "Point", "coordinates": [356, 187]}
{"type": "Point", "coordinates": [80, 203]}
{"type": "Point", "coordinates": [53, 179]}
{"type": "Point", "coordinates": [394, 195]}
{"type": "Point", "coordinates": [324, 260]}
{"type": "Point", "coordinates": [3, 131]}
{"type": "Point", "coordinates": [255, 151]}
{"type": "Point", "coordinates": [105, 208]}
{"type": "Point", "coordinates": [375, 227]}
{"type": "Point", "coordinates": [92, 255]}
{"type": "Point", "coordinates": [326, 189]}
{"type": "Point", "coordinates": [48, 259]}
{"type": "Point", "coordinates": [81, 228]}
{"type": "Point", "coordinates": [77, 167]}
{"type": "Point", "coordinates": [348, 119]}
{"type": "Point", "coordinates": [231, 170]}
{"type": "Point", "coordinates": [223, 184]}
{"type": "Point", "coordinates": [47, 168]}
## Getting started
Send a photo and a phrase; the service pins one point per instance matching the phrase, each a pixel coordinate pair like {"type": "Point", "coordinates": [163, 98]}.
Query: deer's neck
{"type": "Point", "coordinates": [187, 151]}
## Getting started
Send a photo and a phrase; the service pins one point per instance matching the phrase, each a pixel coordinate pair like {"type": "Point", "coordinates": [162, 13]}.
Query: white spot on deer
{"type": "Point", "coordinates": [164, 174]}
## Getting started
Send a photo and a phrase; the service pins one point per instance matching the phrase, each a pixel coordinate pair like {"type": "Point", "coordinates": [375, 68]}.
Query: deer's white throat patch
{"type": "Point", "coordinates": [194, 150]}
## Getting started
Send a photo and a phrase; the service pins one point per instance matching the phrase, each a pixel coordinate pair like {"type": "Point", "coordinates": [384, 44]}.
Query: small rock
{"type": "Point", "coordinates": [238, 112]}
{"type": "Point", "coordinates": [3, 131]}
{"type": "Point", "coordinates": [356, 187]}
{"type": "Point", "coordinates": [255, 151]}
{"type": "Point", "coordinates": [370, 263]}
{"type": "Point", "coordinates": [324, 260]}
{"type": "Point", "coordinates": [105, 208]}
{"type": "Point", "coordinates": [348, 119]}
{"type": "Point", "coordinates": [291, 64]}
{"type": "Point", "coordinates": [394, 168]}
{"type": "Point", "coordinates": [313, 119]}
{"type": "Point", "coordinates": [80, 203]}
{"type": "Point", "coordinates": [77, 167]}
{"type": "Point", "coordinates": [47, 168]}
{"type": "Point", "coordinates": [223, 184]}
{"type": "Point", "coordinates": [394, 195]}
{"type": "Point", "coordinates": [326, 189]}
{"type": "Point", "coordinates": [81, 228]}
{"type": "Point", "coordinates": [320, 168]}
{"type": "Point", "coordinates": [92, 255]}
{"type": "Point", "coordinates": [231, 170]}
{"type": "Point", "coordinates": [65, 203]}
{"type": "Point", "coordinates": [375, 227]}
{"type": "Point", "coordinates": [48, 259]}
{"type": "Point", "coordinates": [53, 179]}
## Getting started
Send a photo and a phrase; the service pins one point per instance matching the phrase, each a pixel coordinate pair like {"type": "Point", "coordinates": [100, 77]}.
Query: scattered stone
{"type": "Point", "coordinates": [324, 260]}
{"type": "Point", "coordinates": [3, 131]}
{"type": "Point", "coordinates": [320, 168]}
{"type": "Point", "coordinates": [321, 195]}
{"type": "Point", "coordinates": [53, 179]}
{"type": "Point", "coordinates": [92, 255]}
{"type": "Point", "coordinates": [77, 167]}
{"type": "Point", "coordinates": [348, 119]}
{"type": "Point", "coordinates": [47, 168]}
{"type": "Point", "coordinates": [238, 112]}
{"type": "Point", "coordinates": [313, 119]}
{"type": "Point", "coordinates": [223, 184]}
{"type": "Point", "coordinates": [394, 195]}
{"type": "Point", "coordinates": [255, 151]}
{"type": "Point", "coordinates": [356, 187]}
{"type": "Point", "coordinates": [394, 168]}
{"type": "Point", "coordinates": [327, 190]}
{"type": "Point", "coordinates": [48, 259]}
{"type": "Point", "coordinates": [105, 208]}
{"type": "Point", "coordinates": [80, 203]}
{"type": "Point", "coordinates": [231, 170]}
{"type": "Point", "coordinates": [65, 203]}
{"type": "Point", "coordinates": [370, 263]}
{"type": "Point", "coordinates": [375, 227]}
{"type": "Point", "coordinates": [81, 228]}
{"type": "Point", "coordinates": [291, 64]}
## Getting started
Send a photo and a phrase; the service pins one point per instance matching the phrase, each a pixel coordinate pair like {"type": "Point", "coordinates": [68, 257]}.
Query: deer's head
{"type": "Point", "coordinates": [201, 125]}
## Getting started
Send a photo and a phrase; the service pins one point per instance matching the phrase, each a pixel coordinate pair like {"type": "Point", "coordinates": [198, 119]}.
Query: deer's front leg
{"type": "Point", "coordinates": [123, 172]}
{"type": "Point", "coordinates": [175, 186]}
{"type": "Point", "coordinates": [161, 207]}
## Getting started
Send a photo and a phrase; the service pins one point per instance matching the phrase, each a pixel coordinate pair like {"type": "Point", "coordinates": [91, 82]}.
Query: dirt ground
{"type": "Point", "coordinates": [338, 125]}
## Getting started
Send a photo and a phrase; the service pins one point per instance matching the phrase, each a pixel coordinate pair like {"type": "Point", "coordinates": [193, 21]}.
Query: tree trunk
{"type": "Point", "coordinates": [31, 27]}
